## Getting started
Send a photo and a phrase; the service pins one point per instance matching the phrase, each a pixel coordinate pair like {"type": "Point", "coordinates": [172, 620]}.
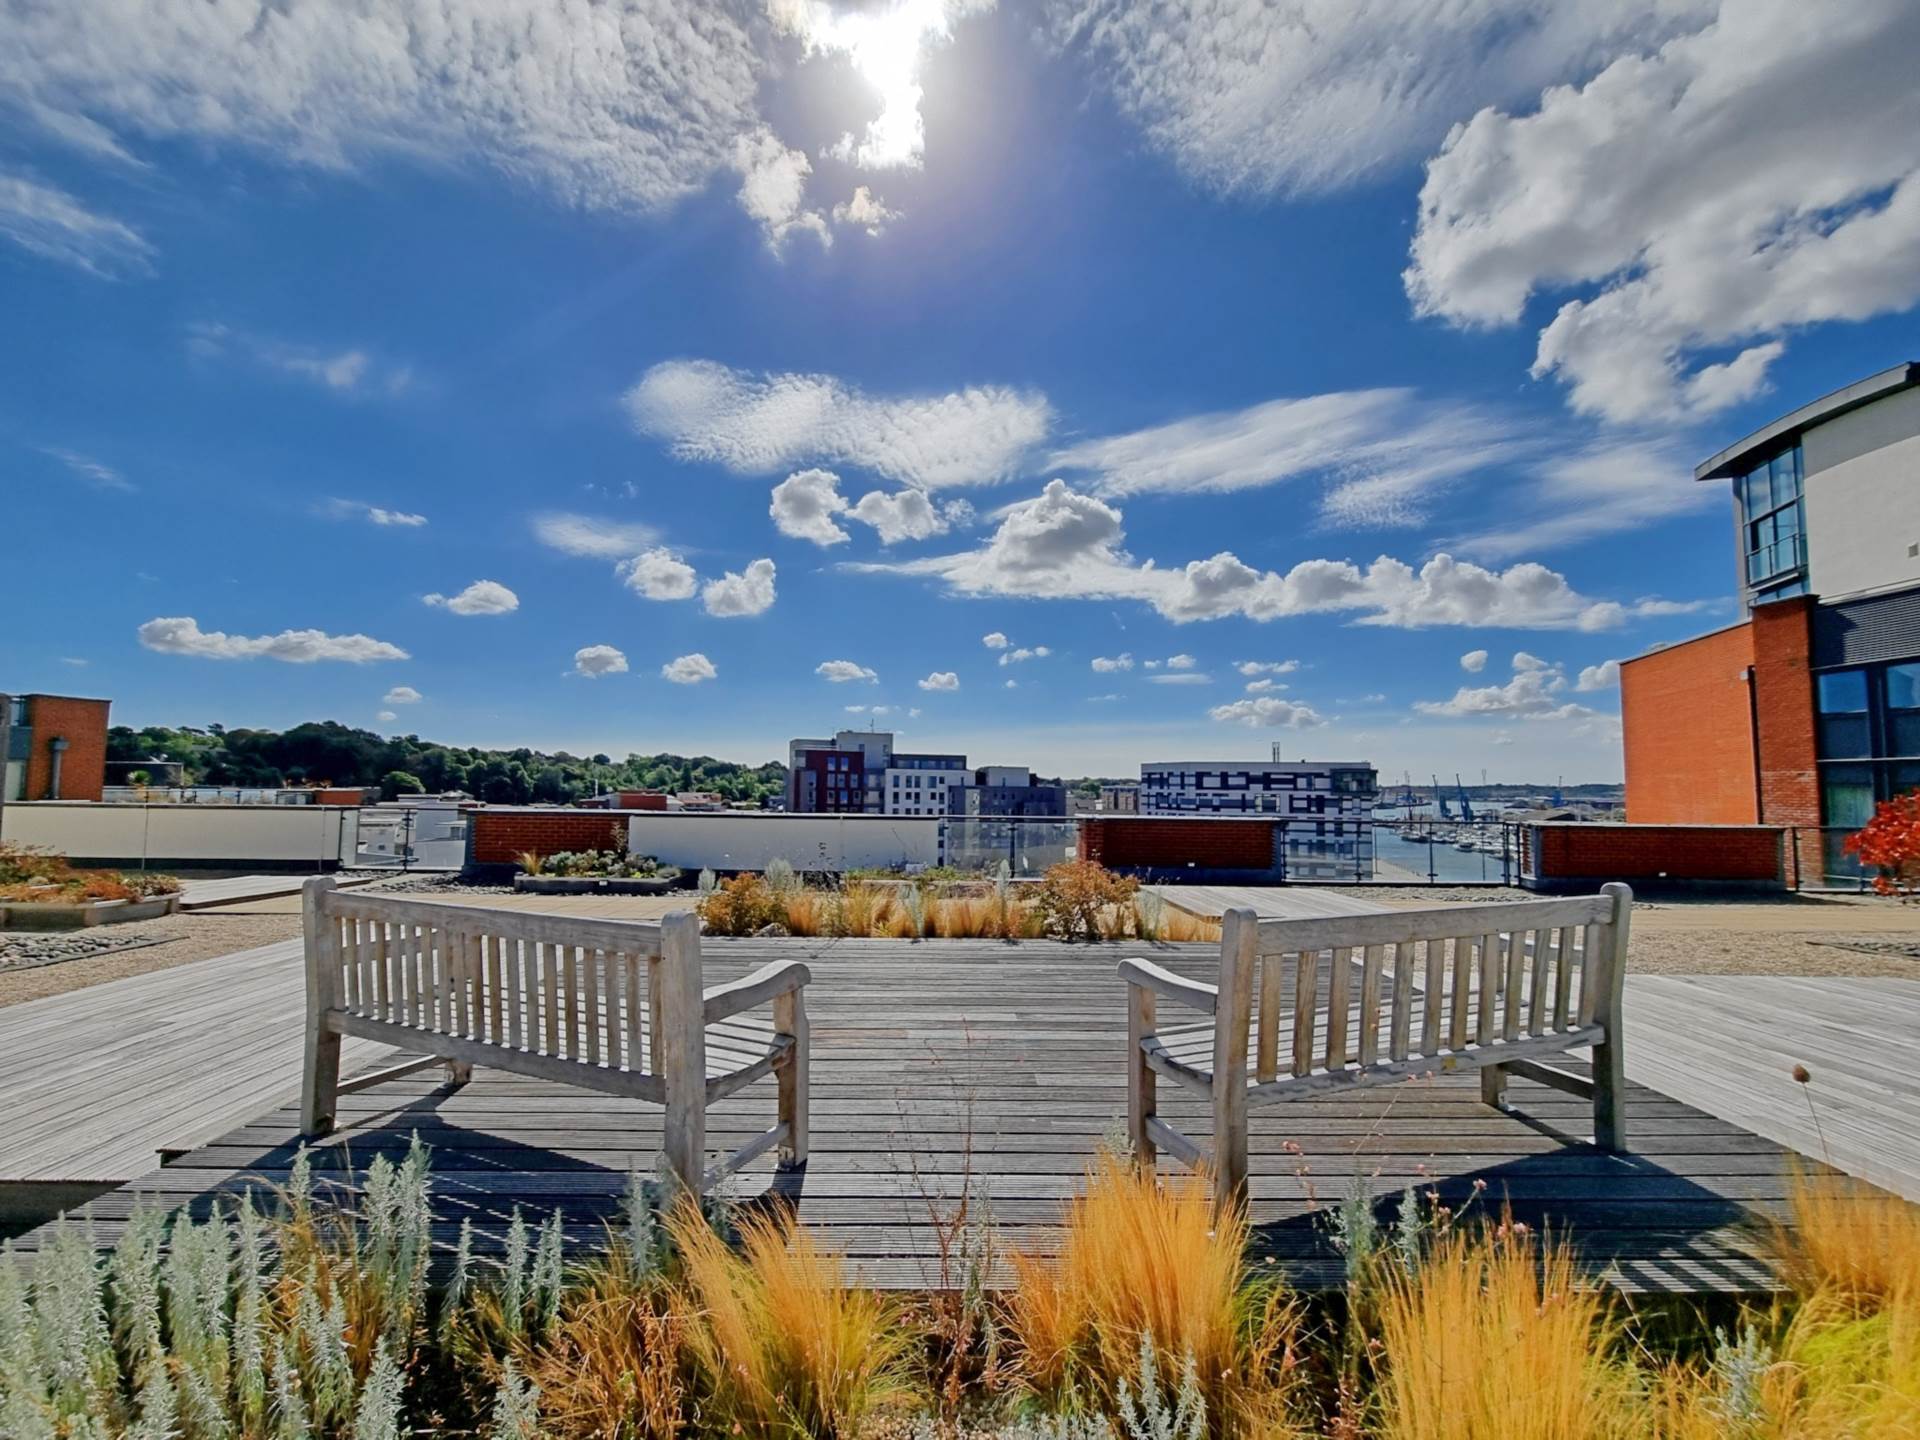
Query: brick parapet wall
{"type": "Point", "coordinates": [1656, 854]}
{"type": "Point", "coordinates": [499, 837]}
{"type": "Point", "coordinates": [1687, 730]}
{"type": "Point", "coordinates": [1141, 843]}
{"type": "Point", "coordinates": [1784, 718]}
{"type": "Point", "coordinates": [83, 767]}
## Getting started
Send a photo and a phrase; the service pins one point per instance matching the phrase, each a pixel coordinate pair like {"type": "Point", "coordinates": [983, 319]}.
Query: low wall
{"type": "Point", "coordinates": [818, 843]}
{"type": "Point", "coordinates": [1202, 851]}
{"type": "Point", "coordinates": [185, 837]}
{"type": "Point", "coordinates": [1567, 857]}
{"type": "Point", "coordinates": [497, 837]}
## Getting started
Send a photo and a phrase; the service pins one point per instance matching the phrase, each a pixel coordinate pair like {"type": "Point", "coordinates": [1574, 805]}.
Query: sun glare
{"type": "Point", "coordinates": [887, 47]}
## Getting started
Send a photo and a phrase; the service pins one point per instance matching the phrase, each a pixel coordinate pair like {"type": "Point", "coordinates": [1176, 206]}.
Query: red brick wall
{"type": "Point", "coordinates": [83, 725]}
{"type": "Point", "coordinates": [499, 836]}
{"type": "Point", "coordinates": [640, 800]}
{"type": "Point", "coordinates": [339, 796]}
{"type": "Point", "coordinates": [1688, 730]}
{"type": "Point", "coordinates": [1654, 852]}
{"type": "Point", "coordinates": [1205, 844]}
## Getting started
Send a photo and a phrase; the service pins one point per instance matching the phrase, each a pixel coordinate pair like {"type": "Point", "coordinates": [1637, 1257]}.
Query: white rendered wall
{"type": "Point", "coordinates": [747, 841]}
{"type": "Point", "coordinates": [1863, 498]}
{"type": "Point", "coordinates": [284, 834]}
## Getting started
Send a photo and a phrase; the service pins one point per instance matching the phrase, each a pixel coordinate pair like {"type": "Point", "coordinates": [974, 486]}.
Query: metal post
{"type": "Point", "coordinates": [406, 840]}
{"type": "Point", "coordinates": [6, 752]}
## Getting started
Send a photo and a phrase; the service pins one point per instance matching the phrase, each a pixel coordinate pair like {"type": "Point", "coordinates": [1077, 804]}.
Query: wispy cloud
{"type": "Point", "coordinates": [54, 225]}
{"type": "Point", "coordinates": [374, 514]}
{"type": "Point", "coordinates": [348, 371]}
{"type": "Point", "coordinates": [89, 471]}
{"type": "Point", "coordinates": [593, 536]}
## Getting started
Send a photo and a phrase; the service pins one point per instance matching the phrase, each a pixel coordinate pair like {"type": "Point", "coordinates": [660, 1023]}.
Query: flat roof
{"type": "Point", "coordinates": [1743, 454]}
{"type": "Point", "coordinates": [1256, 765]}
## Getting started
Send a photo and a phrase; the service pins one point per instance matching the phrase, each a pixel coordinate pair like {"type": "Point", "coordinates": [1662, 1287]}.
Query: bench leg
{"type": "Point", "coordinates": [320, 1080]}
{"type": "Point", "coordinates": [1142, 1100]}
{"type": "Point", "coordinates": [1609, 1094]}
{"type": "Point", "coordinates": [458, 1072]}
{"type": "Point", "coordinates": [790, 1018]}
{"type": "Point", "coordinates": [1493, 1086]}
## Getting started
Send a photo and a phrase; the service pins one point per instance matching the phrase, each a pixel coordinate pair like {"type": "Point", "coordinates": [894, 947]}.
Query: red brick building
{"type": "Point", "coordinates": [56, 748]}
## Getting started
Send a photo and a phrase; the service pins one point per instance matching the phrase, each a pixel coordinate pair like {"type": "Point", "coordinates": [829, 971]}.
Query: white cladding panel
{"type": "Point", "coordinates": [1863, 498]}
{"type": "Point", "coordinates": [747, 841]}
{"type": "Point", "coordinates": [287, 834]}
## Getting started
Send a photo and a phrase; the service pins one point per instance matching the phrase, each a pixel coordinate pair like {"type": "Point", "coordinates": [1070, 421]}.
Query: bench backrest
{"type": "Point", "coordinates": [548, 985]}
{"type": "Point", "coordinates": [1431, 981]}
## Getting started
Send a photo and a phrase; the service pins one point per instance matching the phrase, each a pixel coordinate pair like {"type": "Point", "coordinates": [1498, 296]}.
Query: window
{"type": "Point", "coordinates": [1840, 699]}
{"type": "Point", "coordinates": [1775, 540]}
{"type": "Point", "coordinates": [1903, 709]}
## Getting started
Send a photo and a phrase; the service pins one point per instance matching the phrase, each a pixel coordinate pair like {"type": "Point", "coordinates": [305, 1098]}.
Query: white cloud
{"type": "Point", "coordinates": [1266, 667]}
{"type": "Point", "coordinates": [887, 46]}
{"type": "Point", "coordinates": [1299, 96]}
{"type": "Point", "coordinates": [755, 424]}
{"type": "Point", "coordinates": [1065, 545]}
{"type": "Point", "coordinates": [626, 107]}
{"type": "Point", "coordinates": [749, 592]}
{"type": "Point", "coordinates": [1474, 661]}
{"type": "Point", "coordinates": [593, 661]}
{"type": "Point", "coordinates": [1151, 664]}
{"type": "Point", "coordinates": [1269, 713]}
{"type": "Point", "coordinates": [1603, 676]}
{"type": "Point", "coordinates": [1786, 194]}
{"type": "Point", "coordinates": [1180, 677]}
{"type": "Point", "coordinates": [1384, 452]}
{"type": "Point", "coordinates": [182, 635]}
{"type": "Point", "coordinates": [803, 505]}
{"type": "Point", "coordinates": [386, 717]}
{"type": "Point", "coordinates": [1107, 664]}
{"type": "Point", "coordinates": [689, 669]}
{"type": "Point", "coordinates": [73, 660]}
{"type": "Point", "coordinates": [1181, 662]}
{"type": "Point", "coordinates": [482, 597]}
{"type": "Point", "coordinates": [373, 514]}
{"type": "Point", "coordinates": [93, 472]}
{"type": "Point", "coordinates": [940, 680]}
{"type": "Point", "coordinates": [1102, 699]}
{"type": "Point", "coordinates": [591, 536]}
{"type": "Point", "coordinates": [1602, 488]}
{"type": "Point", "coordinates": [995, 641]}
{"type": "Point", "coordinates": [773, 183]}
{"type": "Point", "coordinates": [1534, 693]}
{"type": "Point", "coordinates": [840, 672]}
{"type": "Point", "coordinates": [52, 224]}
{"type": "Point", "coordinates": [1010, 684]}
{"type": "Point", "coordinates": [657, 574]}
{"type": "Point", "coordinates": [1264, 687]}
{"type": "Point", "coordinates": [402, 695]}
{"type": "Point", "coordinates": [1020, 654]}
{"type": "Point", "coordinates": [864, 210]}
{"type": "Point", "coordinates": [351, 371]}
{"type": "Point", "coordinates": [908, 515]}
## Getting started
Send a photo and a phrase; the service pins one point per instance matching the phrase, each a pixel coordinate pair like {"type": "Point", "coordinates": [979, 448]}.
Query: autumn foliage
{"type": "Point", "coordinates": [1890, 843]}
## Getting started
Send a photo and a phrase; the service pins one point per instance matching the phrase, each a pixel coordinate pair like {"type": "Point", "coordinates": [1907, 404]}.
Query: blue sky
{"type": "Point", "coordinates": [1095, 382]}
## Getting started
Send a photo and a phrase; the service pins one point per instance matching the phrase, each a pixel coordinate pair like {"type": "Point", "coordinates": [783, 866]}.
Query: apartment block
{"type": "Point", "coordinates": [56, 748]}
{"type": "Point", "coordinates": [859, 772]}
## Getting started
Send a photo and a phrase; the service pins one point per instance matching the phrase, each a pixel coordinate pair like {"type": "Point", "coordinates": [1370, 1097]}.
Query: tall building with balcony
{"type": "Point", "coordinates": [1806, 711]}
{"type": "Point", "coordinates": [56, 748]}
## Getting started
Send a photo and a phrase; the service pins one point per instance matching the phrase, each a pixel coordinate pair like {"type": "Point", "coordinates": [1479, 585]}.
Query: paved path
{"type": "Point", "coordinates": [236, 889]}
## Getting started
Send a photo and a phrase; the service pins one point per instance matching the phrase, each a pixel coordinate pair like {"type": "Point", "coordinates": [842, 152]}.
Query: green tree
{"type": "Point", "coordinates": [401, 782]}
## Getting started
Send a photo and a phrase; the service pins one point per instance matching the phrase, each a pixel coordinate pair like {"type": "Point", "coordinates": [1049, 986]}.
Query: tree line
{"type": "Point", "coordinates": [327, 752]}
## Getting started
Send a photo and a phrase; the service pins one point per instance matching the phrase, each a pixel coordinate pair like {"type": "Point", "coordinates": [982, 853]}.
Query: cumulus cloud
{"type": "Point", "coordinates": [773, 185]}
{"type": "Point", "coordinates": [864, 210]}
{"type": "Point", "coordinates": [386, 717]}
{"type": "Point", "coordinates": [182, 635]}
{"type": "Point", "coordinates": [689, 669]}
{"type": "Point", "coordinates": [1181, 662]}
{"type": "Point", "coordinates": [1787, 194]}
{"type": "Point", "coordinates": [1066, 545]}
{"type": "Point", "coordinates": [616, 108]}
{"type": "Point", "coordinates": [46, 221]}
{"type": "Point", "coordinates": [402, 695]}
{"type": "Point", "coordinates": [1107, 664]}
{"type": "Point", "coordinates": [1384, 453]}
{"type": "Point", "coordinates": [803, 505]}
{"type": "Point", "coordinates": [1474, 661]}
{"type": "Point", "coordinates": [1266, 667]}
{"type": "Point", "coordinates": [591, 536]}
{"type": "Point", "coordinates": [482, 597]}
{"type": "Point", "coordinates": [657, 574]}
{"type": "Point", "coordinates": [1268, 712]}
{"type": "Point", "coordinates": [593, 661]}
{"type": "Point", "coordinates": [749, 592]}
{"type": "Point", "coordinates": [1301, 96]}
{"type": "Point", "coordinates": [840, 672]}
{"type": "Point", "coordinates": [908, 515]}
{"type": "Point", "coordinates": [1264, 687]}
{"type": "Point", "coordinates": [940, 680]}
{"type": "Point", "coordinates": [755, 424]}
{"type": "Point", "coordinates": [995, 640]}
{"type": "Point", "coordinates": [1603, 676]}
{"type": "Point", "coordinates": [1533, 693]}
{"type": "Point", "coordinates": [1020, 654]}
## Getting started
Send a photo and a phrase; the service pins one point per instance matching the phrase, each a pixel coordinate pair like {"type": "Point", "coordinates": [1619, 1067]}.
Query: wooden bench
{"type": "Point", "coordinates": [1496, 986]}
{"type": "Point", "coordinates": [609, 1005]}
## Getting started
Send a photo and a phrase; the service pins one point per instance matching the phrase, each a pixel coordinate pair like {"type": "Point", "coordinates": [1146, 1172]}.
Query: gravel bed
{"type": "Point", "coordinates": [25, 951]}
{"type": "Point", "coordinates": [433, 884]}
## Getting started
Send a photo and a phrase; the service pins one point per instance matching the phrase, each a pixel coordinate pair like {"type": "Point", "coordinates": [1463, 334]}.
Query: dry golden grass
{"type": "Point", "coordinates": [1141, 1256]}
{"type": "Point", "coordinates": [1848, 1239]}
{"type": "Point", "coordinates": [784, 1346]}
{"type": "Point", "coordinates": [1494, 1337]}
{"type": "Point", "coordinates": [613, 1363]}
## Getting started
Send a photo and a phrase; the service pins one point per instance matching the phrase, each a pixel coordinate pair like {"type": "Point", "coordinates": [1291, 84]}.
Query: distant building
{"type": "Point", "coordinates": [1120, 799]}
{"type": "Point", "coordinates": [56, 748]}
{"type": "Point", "coordinates": [1008, 792]}
{"type": "Point", "coordinates": [1327, 805]}
{"type": "Point", "coordinates": [1806, 712]}
{"type": "Point", "coordinates": [858, 772]}
{"type": "Point", "coordinates": [631, 800]}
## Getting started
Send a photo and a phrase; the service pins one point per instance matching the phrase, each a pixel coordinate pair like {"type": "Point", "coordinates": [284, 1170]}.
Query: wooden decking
{"type": "Point", "coordinates": [948, 1064]}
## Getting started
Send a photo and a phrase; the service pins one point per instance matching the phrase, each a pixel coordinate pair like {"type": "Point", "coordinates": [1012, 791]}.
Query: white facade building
{"type": "Point", "coordinates": [1326, 805]}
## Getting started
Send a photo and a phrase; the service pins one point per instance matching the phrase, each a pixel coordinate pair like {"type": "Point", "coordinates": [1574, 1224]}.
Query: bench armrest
{"type": "Point", "coordinates": [776, 977]}
{"type": "Point", "coordinates": [1192, 993]}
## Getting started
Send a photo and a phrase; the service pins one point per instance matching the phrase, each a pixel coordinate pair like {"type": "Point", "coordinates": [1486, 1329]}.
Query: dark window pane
{"type": "Point", "coordinates": [1843, 736]}
{"type": "Point", "coordinates": [1846, 795]}
{"type": "Point", "coordinates": [1787, 522]}
{"type": "Point", "coordinates": [1903, 732]}
{"type": "Point", "coordinates": [1759, 496]}
{"type": "Point", "coordinates": [1903, 687]}
{"type": "Point", "coordinates": [1903, 777]}
{"type": "Point", "coordinates": [1841, 691]}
